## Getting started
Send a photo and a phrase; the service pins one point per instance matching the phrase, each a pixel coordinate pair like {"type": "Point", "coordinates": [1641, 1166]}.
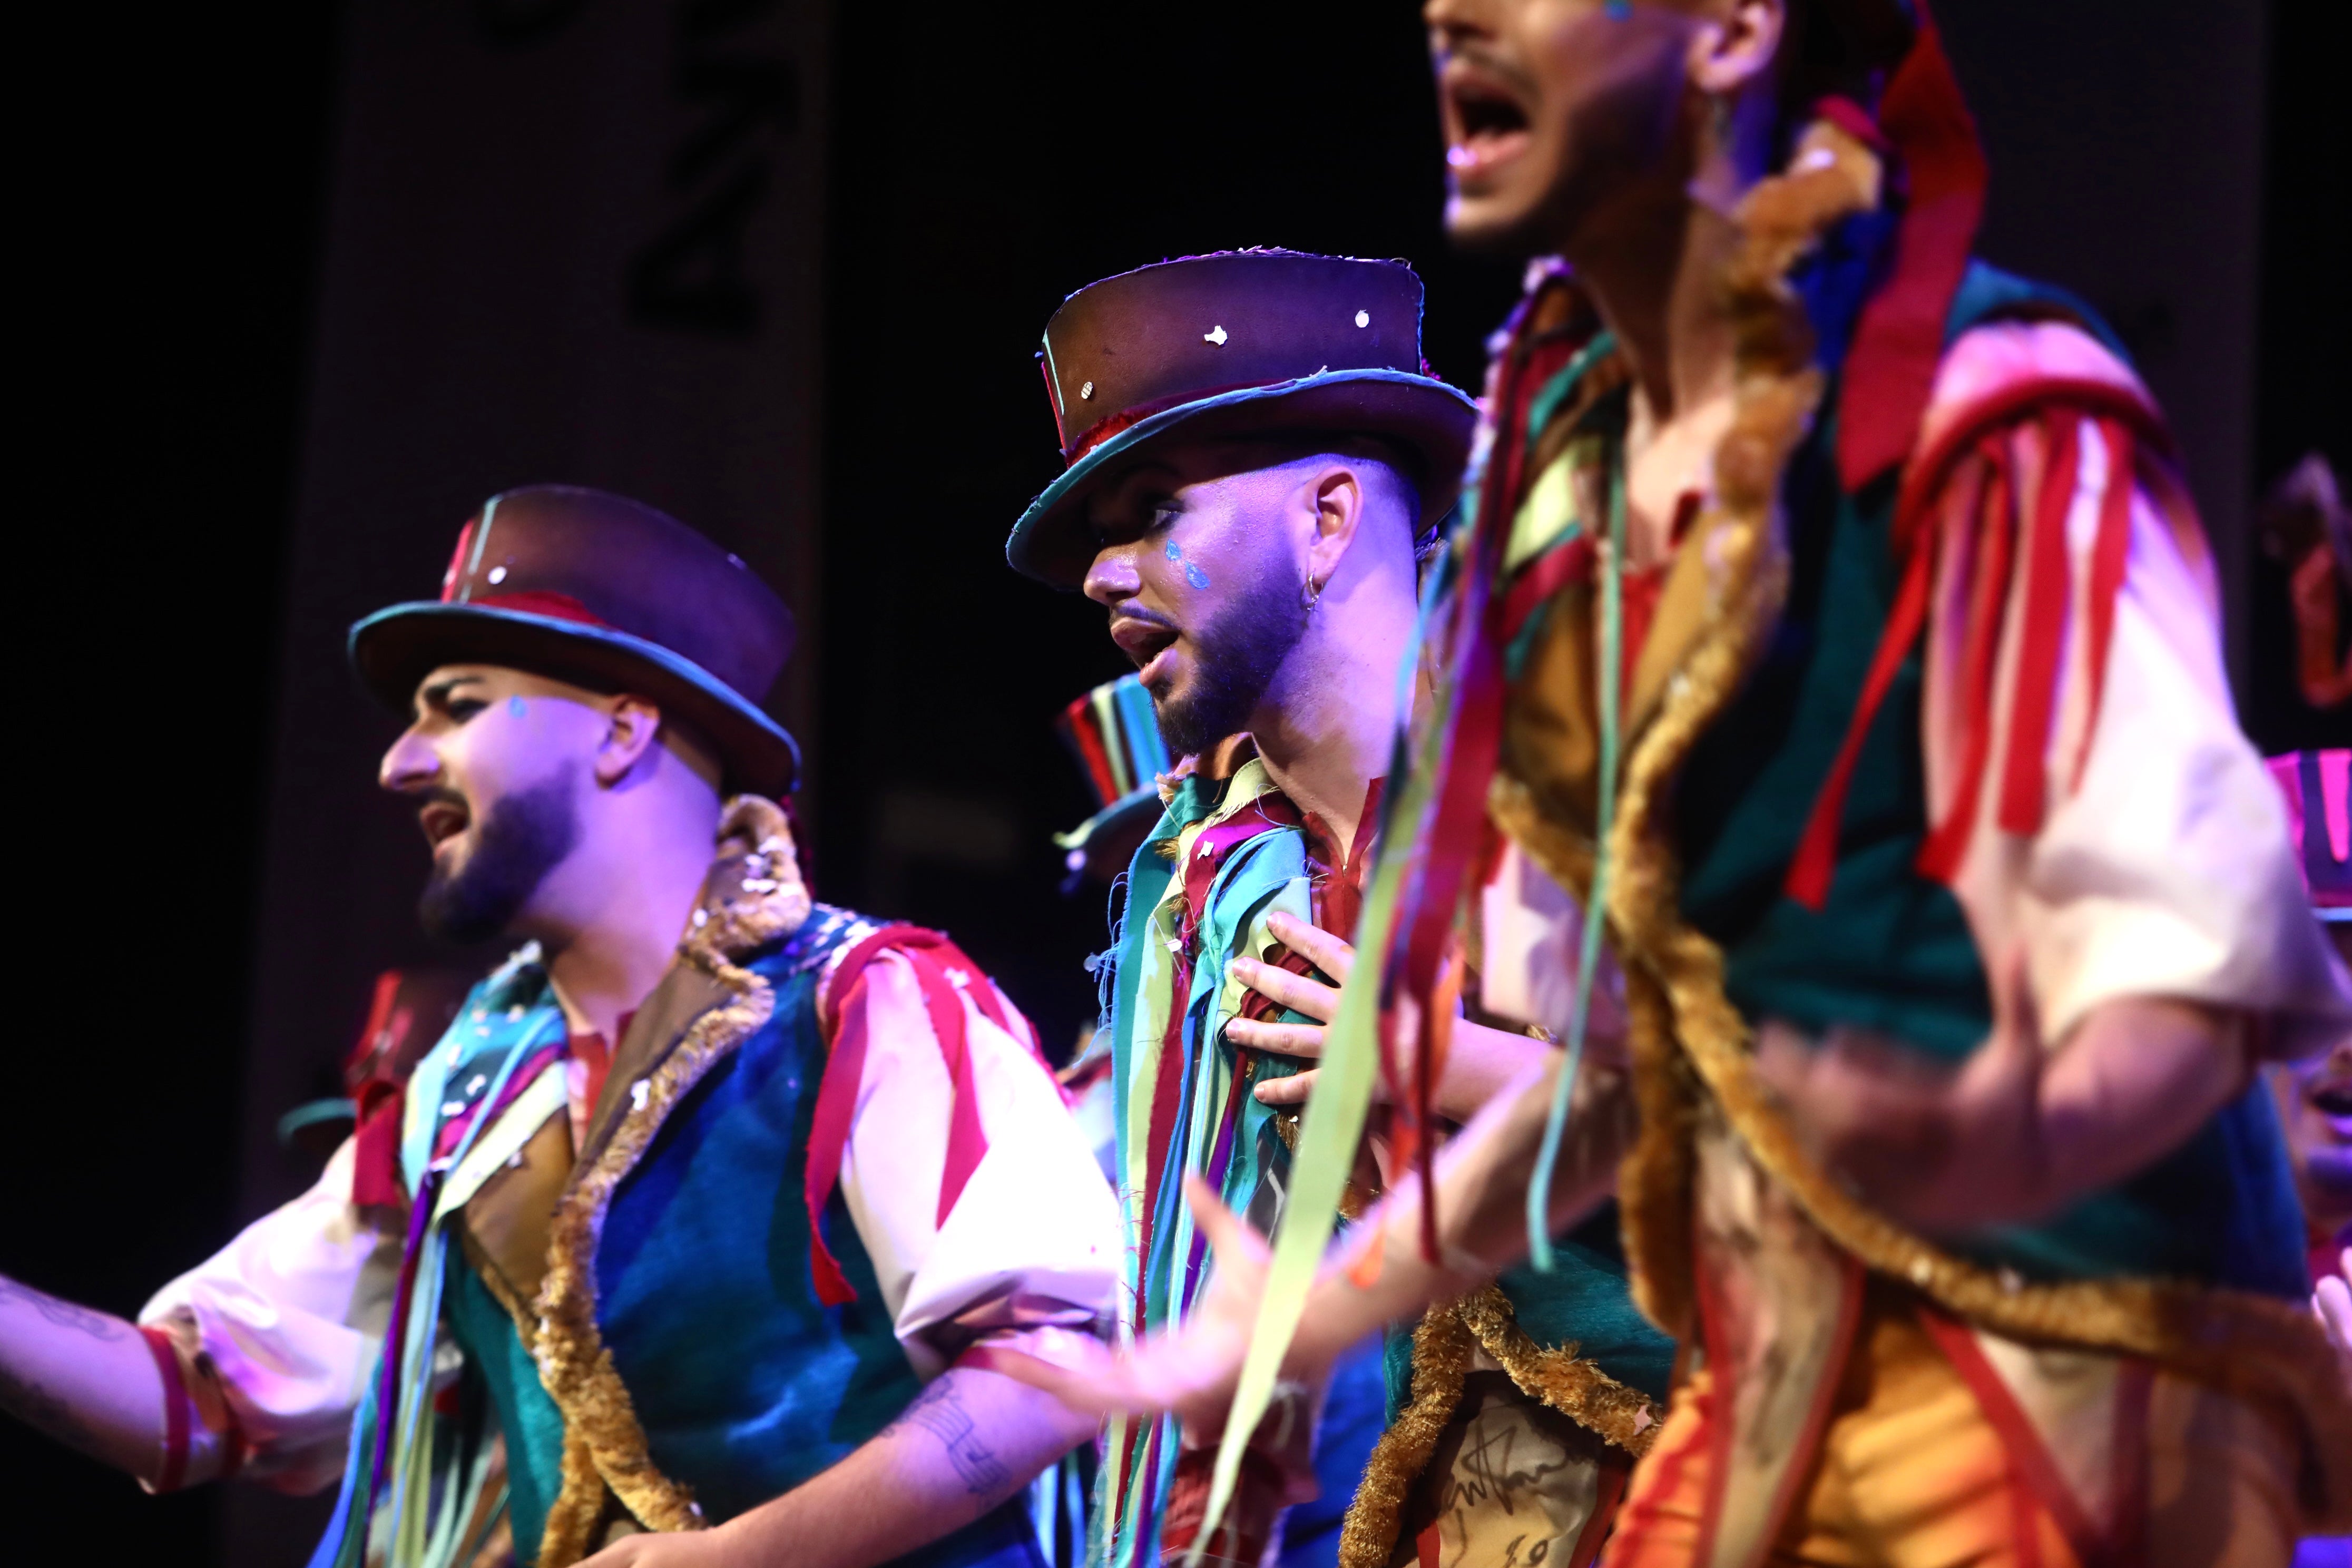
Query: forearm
{"type": "Point", "coordinates": [2024, 1130]}
{"type": "Point", "coordinates": [969, 1441]}
{"type": "Point", "coordinates": [1483, 1063]}
{"type": "Point", "coordinates": [1483, 1175]}
{"type": "Point", "coordinates": [2135, 1080]}
{"type": "Point", "coordinates": [85, 1378]}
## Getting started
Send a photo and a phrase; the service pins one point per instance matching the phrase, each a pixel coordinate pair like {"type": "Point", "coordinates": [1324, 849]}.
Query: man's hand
{"type": "Point", "coordinates": [2021, 1130]}
{"type": "Point", "coordinates": [1480, 1063]}
{"type": "Point", "coordinates": [1189, 1371]}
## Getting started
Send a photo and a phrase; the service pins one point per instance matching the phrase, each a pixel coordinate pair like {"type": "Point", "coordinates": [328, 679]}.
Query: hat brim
{"type": "Point", "coordinates": [1109, 840]}
{"type": "Point", "coordinates": [396, 648]}
{"type": "Point", "coordinates": [1432, 418]}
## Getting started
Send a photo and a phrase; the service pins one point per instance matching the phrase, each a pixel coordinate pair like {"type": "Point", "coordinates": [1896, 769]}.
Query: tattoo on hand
{"type": "Point", "coordinates": [64, 1314]}
{"type": "Point", "coordinates": [940, 1411]}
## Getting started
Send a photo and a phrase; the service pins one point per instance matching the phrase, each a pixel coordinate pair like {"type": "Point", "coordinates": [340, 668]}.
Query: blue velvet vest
{"type": "Point", "coordinates": [744, 1384]}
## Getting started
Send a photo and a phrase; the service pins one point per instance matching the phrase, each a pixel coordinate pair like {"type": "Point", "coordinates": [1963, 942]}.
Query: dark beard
{"type": "Point", "coordinates": [1238, 656]}
{"type": "Point", "coordinates": [523, 838]}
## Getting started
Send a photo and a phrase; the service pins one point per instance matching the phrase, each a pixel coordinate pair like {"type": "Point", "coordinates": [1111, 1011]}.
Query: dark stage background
{"type": "Point", "coordinates": [299, 284]}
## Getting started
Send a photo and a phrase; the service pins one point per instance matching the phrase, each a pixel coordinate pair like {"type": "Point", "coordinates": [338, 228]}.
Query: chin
{"type": "Point", "coordinates": [1498, 221]}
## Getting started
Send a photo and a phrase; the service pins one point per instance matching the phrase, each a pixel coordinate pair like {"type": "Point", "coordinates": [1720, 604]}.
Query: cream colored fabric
{"type": "Point", "coordinates": [2169, 872]}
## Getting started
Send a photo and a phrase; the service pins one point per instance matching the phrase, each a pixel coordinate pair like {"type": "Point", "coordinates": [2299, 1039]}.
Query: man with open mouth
{"type": "Point", "coordinates": [1832, 624]}
{"type": "Point", "coordinates": [690, 1241]}
{"type": "Point", "coordinates": [1835, 622]}
{"type": "Point", "coordinates": [1256, 461]}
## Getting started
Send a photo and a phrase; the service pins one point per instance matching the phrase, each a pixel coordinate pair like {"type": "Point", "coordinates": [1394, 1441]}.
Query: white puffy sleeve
{"type": "Point", "coordinates": [1031, 1249]}
{"type": "Point", "coordinates": [276, 1334]}
{"type": "Point", "coordinates": [2162, 864]}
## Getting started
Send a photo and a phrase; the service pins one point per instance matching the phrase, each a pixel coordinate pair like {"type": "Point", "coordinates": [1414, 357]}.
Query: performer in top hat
{"type": "Point", "coordinates": [708, 1208]}
{"type": "Point", "coordinates": [1256, 457]}
{"type": "Point", "coordinates": [1833, 622]}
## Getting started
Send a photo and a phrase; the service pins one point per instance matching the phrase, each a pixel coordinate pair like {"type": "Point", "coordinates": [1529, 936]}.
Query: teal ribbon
{"type": "Point", "coordinates": [1612, 663]}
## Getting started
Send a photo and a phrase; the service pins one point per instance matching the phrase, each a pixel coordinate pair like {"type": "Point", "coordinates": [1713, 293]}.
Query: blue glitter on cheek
{"type": "Point", "coordinates": [1192, 575]}
{"type": "Point", "coordinates": [515, 707]}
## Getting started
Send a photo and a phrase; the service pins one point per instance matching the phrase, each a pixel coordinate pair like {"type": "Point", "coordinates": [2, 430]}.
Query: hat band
{"type": "Point", "coordinates": [541, 602]}
{"type": "Point", "coordinates": [1103, 429]}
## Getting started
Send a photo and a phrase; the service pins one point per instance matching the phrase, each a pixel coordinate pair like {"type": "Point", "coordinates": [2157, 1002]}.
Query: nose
{"type": "Point", "coordinates": [409, 763]}
{"type": "Point", "coordinates": [1113, 575]}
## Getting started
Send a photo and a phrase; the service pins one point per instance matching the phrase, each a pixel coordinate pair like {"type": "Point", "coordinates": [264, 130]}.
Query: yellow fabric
{"type": "Point", "coordinates": [1910, 1474]}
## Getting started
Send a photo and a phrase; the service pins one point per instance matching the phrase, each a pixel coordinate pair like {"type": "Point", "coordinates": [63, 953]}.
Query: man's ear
{"type": "Point", "coordinates": [1735, 49]}
{"type": "Point", "coordinates": [633, 730]}
{"type": "Point", "coordinates": [1338, 494]}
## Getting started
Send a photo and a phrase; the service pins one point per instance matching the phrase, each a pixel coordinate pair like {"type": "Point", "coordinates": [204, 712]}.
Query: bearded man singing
{"type": "Point", "coordinates": [1256, 456]}
{"type": "Point", "coordinates": [709, 1210]}
{"type": "Point", "coordinates": [1834, 627]}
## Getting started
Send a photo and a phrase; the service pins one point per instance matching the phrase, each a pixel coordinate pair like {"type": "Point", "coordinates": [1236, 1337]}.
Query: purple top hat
{"type": "Point", "coordinates": [609, 593]}
{"type": "Point", "coordinates": [1240, 342]}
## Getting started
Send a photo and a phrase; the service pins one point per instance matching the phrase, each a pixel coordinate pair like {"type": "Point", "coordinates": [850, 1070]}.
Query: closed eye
{"type": "Point", "coordinates": [448, 700]}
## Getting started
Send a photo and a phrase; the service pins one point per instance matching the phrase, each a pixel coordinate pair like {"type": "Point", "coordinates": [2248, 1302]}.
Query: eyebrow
{"type": "Point", "coordinates": [1120, 497]}
{"type": "Point", "coordinates": [438, 692]}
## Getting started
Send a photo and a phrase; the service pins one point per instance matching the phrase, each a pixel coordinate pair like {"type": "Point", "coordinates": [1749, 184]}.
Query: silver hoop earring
{"type": "Point", "coordinates": [1311, 593]}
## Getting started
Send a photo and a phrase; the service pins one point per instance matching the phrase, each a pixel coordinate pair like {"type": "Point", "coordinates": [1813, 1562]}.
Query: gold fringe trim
{"type": "Point", "coordinates": [1572, 1385]}
{"type": "Point", "coordinates": [1442, 1350]}
{"type": "Point", "coordinates": [604, 1445]}
{"type": "Point", "coordinates": [1441, 1359]}
{"type": "Point", "coordinates": [2272, 1353]}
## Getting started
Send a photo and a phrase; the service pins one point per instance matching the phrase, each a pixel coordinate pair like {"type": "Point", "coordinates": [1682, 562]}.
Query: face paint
{"type": "Point", "coordinates": [1192, 575]}
{"type": "Point", "coordinates": [1617, 10]}
{"type": "Point", "coordinates": [515, 708]}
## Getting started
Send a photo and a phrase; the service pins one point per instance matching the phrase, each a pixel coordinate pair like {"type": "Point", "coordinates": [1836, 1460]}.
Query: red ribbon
{"type": "Point", "coordinates": [1899, 340]}
{"type": "Point", "coordinates": [2060, 404]}
{"type": "Point", "coordinates": [945, 977]}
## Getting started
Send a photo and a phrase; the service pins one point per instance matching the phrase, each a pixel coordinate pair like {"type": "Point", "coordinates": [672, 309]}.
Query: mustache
{"type": "Point", "coordinates": [435, 795]}
{"type": "Point", "coordinates": [1485, 58]}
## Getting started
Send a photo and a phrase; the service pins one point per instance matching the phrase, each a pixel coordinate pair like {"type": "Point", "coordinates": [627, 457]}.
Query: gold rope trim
{"type": "Point", "coordinates": [1441, 1361]}
{"type": "Point", "coordinates": [2271, 1351]}
{"type": "Point", "coordinates": [1572, 1385]}
{"type": "Point", "coordinates": [1442, 1350]}
{"type": "Point", "coordinates": [604, 1445]}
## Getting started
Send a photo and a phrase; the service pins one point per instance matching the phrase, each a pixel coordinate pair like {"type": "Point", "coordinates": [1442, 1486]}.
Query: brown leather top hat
{"type": "Point", "coordinates": [1240, 341]}
{"type": "Point", "coordinates": [611, 594]}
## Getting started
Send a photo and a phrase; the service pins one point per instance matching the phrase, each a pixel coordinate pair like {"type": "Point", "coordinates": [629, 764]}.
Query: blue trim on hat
{"type": "Point", "coordinates": [670, 663]}
{"type": "Point", "coordinates": [1159, 424]}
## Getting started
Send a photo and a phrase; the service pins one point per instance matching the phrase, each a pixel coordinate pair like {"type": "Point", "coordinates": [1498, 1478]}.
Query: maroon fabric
{"type": "Point", "coordinates": [1891, 368]}
{"type": "Point", "coordinates": [375, 1162]}
{"type": "Point", "coordinates": [1180, 331]}
{"type": "Point", "coordinates": [584, 558]}
{"type": "Point", "coordinates": [174, 1473]}
{"type": "Point", "coordinates": [560, 606]}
